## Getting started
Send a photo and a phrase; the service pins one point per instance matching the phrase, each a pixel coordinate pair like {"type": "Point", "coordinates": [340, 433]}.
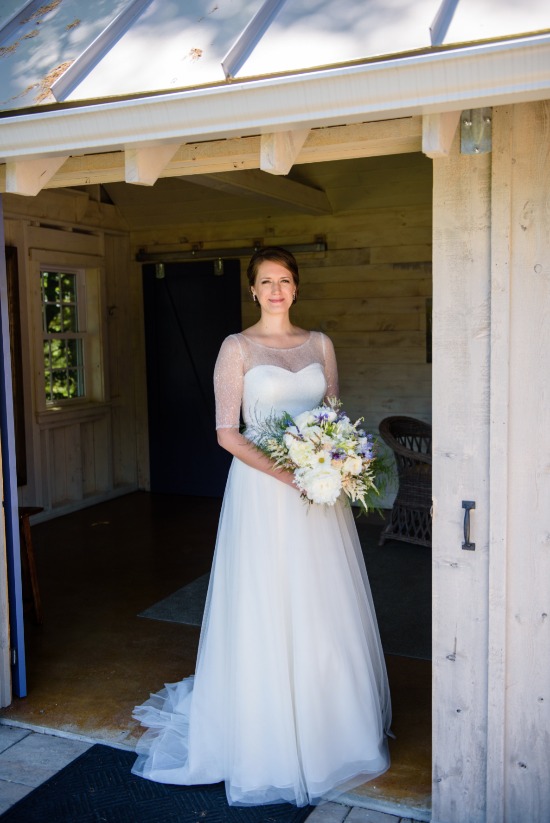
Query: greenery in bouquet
{"type": "Point", "coordinates": [327, 453]}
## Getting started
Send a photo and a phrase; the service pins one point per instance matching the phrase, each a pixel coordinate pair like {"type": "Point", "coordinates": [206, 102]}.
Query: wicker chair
{"type": "Point", "coordinates": [411, 443]}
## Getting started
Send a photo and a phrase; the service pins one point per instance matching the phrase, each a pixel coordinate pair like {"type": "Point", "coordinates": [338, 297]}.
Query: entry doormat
{"type": "Point", "coordinates": [98, 787]}
{"type": "Point", "coordinates": [401, 582]}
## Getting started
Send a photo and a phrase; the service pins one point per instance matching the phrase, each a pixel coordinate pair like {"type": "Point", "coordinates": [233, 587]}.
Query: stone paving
{"type": "Point", "coordinates": [28, 758]}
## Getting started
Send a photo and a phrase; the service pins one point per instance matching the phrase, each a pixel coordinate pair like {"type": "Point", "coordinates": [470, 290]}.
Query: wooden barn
{"type": "Point", "coordinates": [402, 151]}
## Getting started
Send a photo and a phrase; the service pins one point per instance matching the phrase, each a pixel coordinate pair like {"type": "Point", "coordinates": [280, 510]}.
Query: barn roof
{"type": "Point", "coordinates": [75, 50]}
{"type": "Point", "coordinates": [80, 77]}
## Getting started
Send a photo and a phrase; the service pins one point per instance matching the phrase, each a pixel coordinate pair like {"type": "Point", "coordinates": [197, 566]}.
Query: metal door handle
{"type": "Point", "coordinates": [468, 505]}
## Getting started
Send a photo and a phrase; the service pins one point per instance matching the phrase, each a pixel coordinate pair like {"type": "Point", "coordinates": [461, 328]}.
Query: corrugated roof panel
{"type": "Point", "coordinates": [487, 19]}
{"type": "Point", "coordinates": [173, 44]}
{"type": "Point", "coordinates": [309, 33]}
{"type": "Point", "coordinates": [46, 41]}
{"type": "Point", "coordinates": [8, 8]}
{"type": "Point", "coordinates": [180, 44]}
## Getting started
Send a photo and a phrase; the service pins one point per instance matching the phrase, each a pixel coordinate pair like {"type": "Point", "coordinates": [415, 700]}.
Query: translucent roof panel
{"type": "Point", "coordinates": [488, 19]}
{"type": "Point", "coordinates": [172, 44]}
{"type": "Point", "coordinates": [310, 33]}
{"type": "Point", "coordinates": [77, 50]}
{"type": "Point", "coordinates": [44, 43]}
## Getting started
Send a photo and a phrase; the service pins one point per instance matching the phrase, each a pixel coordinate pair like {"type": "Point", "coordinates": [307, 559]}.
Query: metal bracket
{"type": "Point", "coordinates": [468, 505]}
{"type": "Point", "coordinates": [476, 132]}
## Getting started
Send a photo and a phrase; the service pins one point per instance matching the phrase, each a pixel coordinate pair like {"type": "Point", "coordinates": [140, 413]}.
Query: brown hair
{"type": "Point", "coordinates": [277, 255]}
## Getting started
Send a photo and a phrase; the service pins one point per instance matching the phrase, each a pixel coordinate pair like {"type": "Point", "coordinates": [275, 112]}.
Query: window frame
{"type": "Point", "coordinates": [91, 303]}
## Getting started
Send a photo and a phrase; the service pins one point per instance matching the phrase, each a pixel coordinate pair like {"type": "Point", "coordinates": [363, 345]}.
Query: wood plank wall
{"type": "Point", "coordinates": [85, 453]}
{"type": "Point", "coordinates": [368, 292]}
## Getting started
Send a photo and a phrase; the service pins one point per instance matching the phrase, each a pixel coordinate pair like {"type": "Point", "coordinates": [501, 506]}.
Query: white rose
{"type": "Point", "coordinates": [313, 433]}
{"type": "Point", "coordinates": [299, 451]}
{"type": "Point", "coordinates": [321, 484]}
{"type": "Point", "coordinates": [304, 419]}
{"type": "Point", "coordinates": [352, 464]}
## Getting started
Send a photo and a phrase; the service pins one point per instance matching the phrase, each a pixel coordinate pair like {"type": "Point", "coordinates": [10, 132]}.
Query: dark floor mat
{"type": "Point", "coordinates": [98, 787]}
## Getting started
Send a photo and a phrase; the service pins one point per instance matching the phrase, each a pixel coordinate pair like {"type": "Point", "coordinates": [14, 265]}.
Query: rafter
{"type": "Point", "coordinates": [261, 186]}
{"type": "Point", "coordinates": [438, 131]}
{"type": "Point", "coordinates": [322, 145]}
{"type": "Point", "coordinates": [144, 166]}
{"type": "Point", "coordinates": [28, 177]}
{"type": "Point", "coordinates": [279, 150]}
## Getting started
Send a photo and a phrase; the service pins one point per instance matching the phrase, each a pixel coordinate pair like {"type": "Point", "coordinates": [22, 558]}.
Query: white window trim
{"type": "Point", "coordinates": [91, 289]}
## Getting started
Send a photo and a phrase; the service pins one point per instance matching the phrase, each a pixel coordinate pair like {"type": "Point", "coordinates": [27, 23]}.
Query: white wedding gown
{"type": "Point", "coordinates": [290, 700]}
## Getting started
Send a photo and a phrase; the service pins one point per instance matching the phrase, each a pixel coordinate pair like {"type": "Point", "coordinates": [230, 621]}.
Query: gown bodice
{"type": "Point", "coordinates": [258, 380]}
{"type": "Point", "coordinates": [273, 390]}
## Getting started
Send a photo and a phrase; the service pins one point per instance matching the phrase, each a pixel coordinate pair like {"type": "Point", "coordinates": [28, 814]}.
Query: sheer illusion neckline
{"type": "Point", "coordinates": [276, 348]}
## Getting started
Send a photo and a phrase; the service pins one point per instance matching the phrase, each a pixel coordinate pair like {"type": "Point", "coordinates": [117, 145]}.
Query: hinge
{"type": "Point", "coordinates": [13, 655]}
{"type": "Point", "coordinates": [476, 131]}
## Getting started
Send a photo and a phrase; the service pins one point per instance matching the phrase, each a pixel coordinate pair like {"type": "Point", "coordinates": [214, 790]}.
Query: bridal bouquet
{"type": "Point", "coordinates": [327, 453]}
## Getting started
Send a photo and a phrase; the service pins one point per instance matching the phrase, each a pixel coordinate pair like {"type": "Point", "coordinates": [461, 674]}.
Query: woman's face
{"type": "Point", "coordinates": [274, 287]}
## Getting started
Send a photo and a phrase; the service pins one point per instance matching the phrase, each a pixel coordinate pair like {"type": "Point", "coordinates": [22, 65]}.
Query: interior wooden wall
{"type": "Point", "coordinates": [87, 452]}
{"type": "Point", "coordinates": [368, 291]}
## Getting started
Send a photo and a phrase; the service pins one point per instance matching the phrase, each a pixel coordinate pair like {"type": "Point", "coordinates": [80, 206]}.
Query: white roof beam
{"type": "Point", "coordinates": [280, 149]}
{"type": "Point", "coordinates": [29, 177]}
{"type": "Point", "coordinates": [144, 166]}
{"type": "Point", "coordinates": [275, 190]}
{"type": "Point", "coordinates": [438, 131]}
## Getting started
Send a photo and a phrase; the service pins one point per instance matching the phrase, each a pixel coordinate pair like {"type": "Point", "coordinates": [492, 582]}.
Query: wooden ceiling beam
{"type": "Point", "coordinates": [322, 145]}
{"type": "Point", "coordinates": [29, 177]}
{"type": "Point", "coordinates": [438, 131]}
{"type": "Point", "coordinates": [279, 151]}
{"type": "Point", "coordinates": [144, 166]}
{"type": "Point", "coordinates": [257, 184]}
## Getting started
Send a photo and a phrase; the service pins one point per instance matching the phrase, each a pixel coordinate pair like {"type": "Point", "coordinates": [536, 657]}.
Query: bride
{"type": "Point", "coordinates": [290, 700]}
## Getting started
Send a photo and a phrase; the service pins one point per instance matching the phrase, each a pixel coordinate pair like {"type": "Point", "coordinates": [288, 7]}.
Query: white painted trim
{"type": "Point", "coordinates": [470, 77]}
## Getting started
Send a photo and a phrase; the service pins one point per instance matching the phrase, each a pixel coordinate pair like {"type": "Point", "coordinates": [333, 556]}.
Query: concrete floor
{"type": "Point", "coordinates": [93, 659]}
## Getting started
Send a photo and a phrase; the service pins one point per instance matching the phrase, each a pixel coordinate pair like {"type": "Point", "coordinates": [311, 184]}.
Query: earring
{"type": "Point", "coordinates": [254, 298]}
{"type": "Point", "coordinates": [294, 298]}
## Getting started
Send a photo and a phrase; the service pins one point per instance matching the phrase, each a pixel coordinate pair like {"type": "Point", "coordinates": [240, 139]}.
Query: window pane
{"type": "Point", "coordinates": [69, 318]}
{"type": "Point", "coordinates": [68, 288]}
{"type": "Point", "coordinates": [47, 354]}
{"type": "Point", "coordinates": [59, 385]}
{"type": "Point", "coordinates": [74, 353]}
{"type": "Point", "coordinates": [52, 319]}
{"type": "Point", "coordinates": [75, 383]}
{"type": "Point", "coordinates": [63, 354]}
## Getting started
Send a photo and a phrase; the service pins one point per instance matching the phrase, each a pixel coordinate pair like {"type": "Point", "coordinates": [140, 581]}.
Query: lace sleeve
{"type": "Point", "coordinates": [228, 384]}
{"type": "Point", "coordinates": [331, 368]}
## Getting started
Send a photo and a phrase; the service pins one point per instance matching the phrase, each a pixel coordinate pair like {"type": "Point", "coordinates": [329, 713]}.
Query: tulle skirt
{"type": "Point", "coordinates": [290, 700]}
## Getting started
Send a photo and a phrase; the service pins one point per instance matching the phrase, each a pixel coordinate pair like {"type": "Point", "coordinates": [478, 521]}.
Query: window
{"type": "Point", "coordinates": [63, 329]}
